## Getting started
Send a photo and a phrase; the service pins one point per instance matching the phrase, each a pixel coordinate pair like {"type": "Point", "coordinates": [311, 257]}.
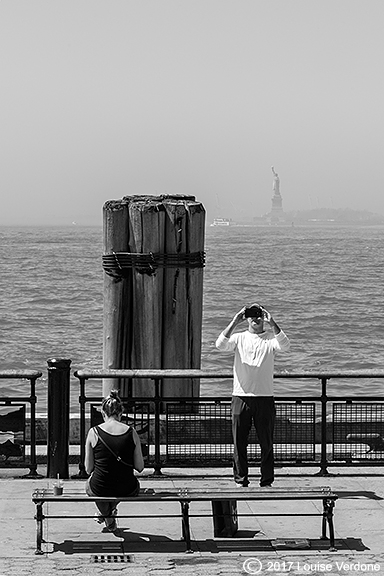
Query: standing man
{"type": "Point", "coordinates": [252, 396]}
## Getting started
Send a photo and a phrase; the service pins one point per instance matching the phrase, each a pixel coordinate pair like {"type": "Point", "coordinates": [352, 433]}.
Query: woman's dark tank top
{"type": "Point", "coordinates": [111, 477]}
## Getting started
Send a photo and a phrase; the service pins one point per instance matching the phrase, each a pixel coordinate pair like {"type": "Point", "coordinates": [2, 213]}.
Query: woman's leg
{"type": "Point", "coordinates": [110, 513]}
{"type": "Point", "coordinates": [107, 509]}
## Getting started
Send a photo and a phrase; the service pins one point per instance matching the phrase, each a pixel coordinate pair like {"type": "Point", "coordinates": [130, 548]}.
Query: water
{"type": "Point", "coordinates": [323, 285]}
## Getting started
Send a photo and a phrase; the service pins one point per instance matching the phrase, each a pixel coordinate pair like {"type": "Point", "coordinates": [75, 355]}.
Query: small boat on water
{"type": "Point", "coordinates": [221, 222]}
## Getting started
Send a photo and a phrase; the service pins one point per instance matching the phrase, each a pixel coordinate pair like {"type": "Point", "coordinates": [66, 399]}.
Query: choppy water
{"type": "Point", "coordinates": [323, 285]}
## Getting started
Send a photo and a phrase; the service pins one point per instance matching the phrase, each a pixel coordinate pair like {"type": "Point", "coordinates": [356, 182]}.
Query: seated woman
{"type": "Point", "coordinates": [112, 453]}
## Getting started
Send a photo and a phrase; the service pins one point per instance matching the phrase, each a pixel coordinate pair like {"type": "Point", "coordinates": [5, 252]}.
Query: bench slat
{"type": "Point", "coordinates": [195, 494]}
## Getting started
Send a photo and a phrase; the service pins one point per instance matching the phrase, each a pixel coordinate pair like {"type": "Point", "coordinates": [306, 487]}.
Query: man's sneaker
{"type": "Point", "coordinates": [265, 485]}
{"type": "Point", "coordinates": [242, 484]}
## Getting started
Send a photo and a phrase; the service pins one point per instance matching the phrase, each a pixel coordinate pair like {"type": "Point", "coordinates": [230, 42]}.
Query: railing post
{"type": "Point", "coordinates": [58, 417]}
{"type": "Point", "coordinates": [33, 465]}
{"type": "Point", "coordinates": [157, 400]}
{"type": "Point", "coordinates": [82, 400]}
{"type": "Point", "coordinates": [323, 460]}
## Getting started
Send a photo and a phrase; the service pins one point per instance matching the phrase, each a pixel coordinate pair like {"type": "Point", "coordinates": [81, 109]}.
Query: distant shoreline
{"type": "Point", "coordinates": [301, 224]}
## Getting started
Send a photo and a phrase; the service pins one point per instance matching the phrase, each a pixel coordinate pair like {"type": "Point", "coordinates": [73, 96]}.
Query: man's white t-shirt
{"type": "Point", "coordinates": [254, 360]}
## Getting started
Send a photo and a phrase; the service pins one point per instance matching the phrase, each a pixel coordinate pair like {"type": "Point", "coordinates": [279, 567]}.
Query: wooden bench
{"type": "Point", "coordinates": [188, 496]}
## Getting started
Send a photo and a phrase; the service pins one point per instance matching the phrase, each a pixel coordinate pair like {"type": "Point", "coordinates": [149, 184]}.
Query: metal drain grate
{"type": "Point", "coordinates": [102, 558]}
{"type": "Point", "coordinates": [288, 544]}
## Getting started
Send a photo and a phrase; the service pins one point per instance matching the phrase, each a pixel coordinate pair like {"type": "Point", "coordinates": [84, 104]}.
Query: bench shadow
{"type": "Point", "coordinates": [124, 541]}
{"type": "Point", "coordinates": [358, 494]}
{"type": "Point", "coordinates": [244, 541]}
{"type": "Point", "coordinates": [265, 545]}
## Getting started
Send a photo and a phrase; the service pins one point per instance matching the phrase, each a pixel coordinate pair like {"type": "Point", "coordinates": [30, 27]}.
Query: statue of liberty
{"type": "Point", "coordinates": [276, 182]}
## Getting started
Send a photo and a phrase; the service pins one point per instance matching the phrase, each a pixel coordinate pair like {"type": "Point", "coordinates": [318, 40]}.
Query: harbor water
{"type": "Point", "coordinates": [323, 285]}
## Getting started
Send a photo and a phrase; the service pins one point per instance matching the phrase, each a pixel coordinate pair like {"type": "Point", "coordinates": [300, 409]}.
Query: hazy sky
{"type": "Point", "coordinates": [106, 98]}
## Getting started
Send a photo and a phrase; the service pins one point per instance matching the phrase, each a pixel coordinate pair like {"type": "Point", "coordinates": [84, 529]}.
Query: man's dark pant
{"type": "Point", "coordinates": [262, 412]}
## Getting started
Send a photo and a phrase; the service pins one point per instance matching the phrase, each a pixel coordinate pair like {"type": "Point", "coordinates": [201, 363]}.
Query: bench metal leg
{"type": "Point", "coordinates": [39, 527]}
{"type": "Point", "coordinates": [186, 532]}
{"type": "Point", "coordinates": [328, 506]}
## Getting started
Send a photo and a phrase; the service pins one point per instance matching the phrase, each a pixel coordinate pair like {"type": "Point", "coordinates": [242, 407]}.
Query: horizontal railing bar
{"type": "Point", "coordinates": [171, 373]}
{"type": "Point", "coordinates": [20, 374]}
{"type": "Point", "coordinates": [14, 399]}
{"type": "Point", "coordinates": [348, 398]}
{"type": "Point", "coordinates": [218, 399]}
{"type": "Point", "coordinates": [189, 373]}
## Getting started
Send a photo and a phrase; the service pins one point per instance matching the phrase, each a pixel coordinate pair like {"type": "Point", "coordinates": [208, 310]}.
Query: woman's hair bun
{"type": "Point", "coordinates": [112, 404]}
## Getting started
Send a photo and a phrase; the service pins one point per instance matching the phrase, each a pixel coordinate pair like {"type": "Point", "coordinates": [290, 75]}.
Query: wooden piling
{"type": "Point", "coordinates": [146, 218]}
{"type": "Point", "coordinates": [183, 294]}
{"type": "Point", "coordinates": [153, 290]}
{"type": "Point", "coordinates": [117, 336]}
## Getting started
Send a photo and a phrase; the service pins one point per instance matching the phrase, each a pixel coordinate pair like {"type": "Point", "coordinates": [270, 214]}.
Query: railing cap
{"type": "Point", "coordinates": [191, 373]}
{"type": "Point", "coordinates": [29, 374]}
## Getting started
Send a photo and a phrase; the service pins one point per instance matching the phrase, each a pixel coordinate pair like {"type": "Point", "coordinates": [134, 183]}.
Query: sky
{"type": "Point", "coordinates": [102, 99]}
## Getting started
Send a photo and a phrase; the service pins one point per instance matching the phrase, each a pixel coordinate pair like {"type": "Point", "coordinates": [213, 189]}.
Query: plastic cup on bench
{"type": "Point", "coordinates": [57, 489]}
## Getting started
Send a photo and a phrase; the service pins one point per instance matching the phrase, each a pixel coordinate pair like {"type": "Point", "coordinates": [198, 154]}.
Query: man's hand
{"type": "Point", "coordinates": [267, 315]}
{"type": "Point", "coordinates": [268, 318]}
{"type": "Point", "coordinates": [238, 317]}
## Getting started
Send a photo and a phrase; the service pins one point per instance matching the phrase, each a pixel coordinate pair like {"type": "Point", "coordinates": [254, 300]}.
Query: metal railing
{"type": "Point", "coordinates": [185, 431]}
{"type": "Point", "coordinates": [13, 452]}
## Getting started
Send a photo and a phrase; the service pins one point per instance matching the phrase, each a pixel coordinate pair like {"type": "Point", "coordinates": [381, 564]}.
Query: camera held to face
{"type": "Point", "coordinates": [253, 312]}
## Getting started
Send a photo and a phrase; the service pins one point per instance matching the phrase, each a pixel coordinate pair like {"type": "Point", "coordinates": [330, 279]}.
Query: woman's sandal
{"type": "Point", "coordinates": [111, 526]}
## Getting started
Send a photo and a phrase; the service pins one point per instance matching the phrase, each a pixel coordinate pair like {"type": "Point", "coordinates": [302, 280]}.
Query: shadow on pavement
{"type": "Point", "coordinates": [258, 545]}
{"type": "Point", "coordinates": [129, 542]}
{"type": "Point", "coordinates": [358, 494]}
{"type": "Point", "coordinates": [126, 541]}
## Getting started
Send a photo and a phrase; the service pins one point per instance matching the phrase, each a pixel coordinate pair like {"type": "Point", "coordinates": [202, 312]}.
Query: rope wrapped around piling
{"type": "Point", "coordinates": [120, 264]}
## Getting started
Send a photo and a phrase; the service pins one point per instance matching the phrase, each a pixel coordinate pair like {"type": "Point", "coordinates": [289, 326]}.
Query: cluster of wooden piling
{"type": "Point", "coordinates": [153, 289]}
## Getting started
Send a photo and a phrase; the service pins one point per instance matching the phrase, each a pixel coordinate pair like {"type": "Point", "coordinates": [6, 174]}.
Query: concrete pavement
{"type": "Point", "coordinates": [153, 546]}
